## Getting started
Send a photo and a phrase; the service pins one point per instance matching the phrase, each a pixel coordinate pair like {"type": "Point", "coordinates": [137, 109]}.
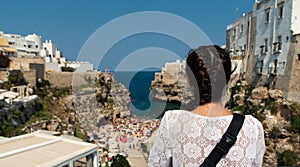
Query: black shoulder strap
{"type": "Point", "coordinates": [226, 142]}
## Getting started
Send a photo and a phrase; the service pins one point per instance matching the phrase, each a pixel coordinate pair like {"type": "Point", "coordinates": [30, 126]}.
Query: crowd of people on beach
{"type": "Point", "coordinates": [124, 135]}
{"type": "Point", "coordinates": [134, 128]}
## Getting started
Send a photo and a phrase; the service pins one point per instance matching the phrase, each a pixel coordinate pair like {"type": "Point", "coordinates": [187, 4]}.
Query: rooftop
{"type": "Point", "coordinates": [43, 150]}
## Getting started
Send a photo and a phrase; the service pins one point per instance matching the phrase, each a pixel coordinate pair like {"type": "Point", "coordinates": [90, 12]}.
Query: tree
{"type": "Point", "coordinates": [4, 61]}
{"type": "Point", "coordinates": [287, 158]}
{"type": "Point", "coordinates": [120, 161]}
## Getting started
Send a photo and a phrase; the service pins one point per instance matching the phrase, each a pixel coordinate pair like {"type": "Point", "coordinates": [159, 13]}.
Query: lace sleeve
{"type": "Point", "coordinates": [161, 151]}
{"type": "Point", "coordinates": [260, 146]}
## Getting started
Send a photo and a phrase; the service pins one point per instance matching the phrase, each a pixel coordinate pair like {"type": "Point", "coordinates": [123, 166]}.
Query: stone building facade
{"type": "Point", "coordinates": [267, 40]}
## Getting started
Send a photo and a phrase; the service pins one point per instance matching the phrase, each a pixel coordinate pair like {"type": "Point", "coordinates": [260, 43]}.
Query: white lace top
{"type": "Point", "coordinates": [189, 138]}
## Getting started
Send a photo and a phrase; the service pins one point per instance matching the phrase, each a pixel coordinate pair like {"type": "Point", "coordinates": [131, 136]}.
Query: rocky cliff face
{"type": "Point", "coordinates": [169, 88]}
{"type": "Point", "coordinates": [17, 114]}
{"type": "Point", "coordinates": [279, 117]}
{"type": "Point", "coordinates": [94, 107]}
{"type": "Point", "coordinates": [77, 113]}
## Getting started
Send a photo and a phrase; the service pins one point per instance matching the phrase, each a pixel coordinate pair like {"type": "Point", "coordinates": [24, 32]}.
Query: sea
{"type": "Point", "coordinates": [142, 105]}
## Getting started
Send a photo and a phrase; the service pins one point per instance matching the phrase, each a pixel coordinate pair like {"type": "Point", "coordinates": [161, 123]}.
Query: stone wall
{"type": "Point", "coordinates": [30, 77]}
{"type": "Point", "coordinates": [68, 79]}
{"type": "Point", "coordinates": [29, 63]}
{"type": "Point", "coordinates": [294, 84]}
{"type": "Point", "coordinates": [3, 75]}
{"type": "Point", "coordinates": [251, 76]}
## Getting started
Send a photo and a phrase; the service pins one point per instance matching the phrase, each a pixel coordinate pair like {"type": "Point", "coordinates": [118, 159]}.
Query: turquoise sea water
{"type": "Point", "coordinates": [142, 105]}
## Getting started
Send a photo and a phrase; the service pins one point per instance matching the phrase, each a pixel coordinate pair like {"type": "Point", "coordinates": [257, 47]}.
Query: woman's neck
{"type": "Point", "coordinates": [212, 110]}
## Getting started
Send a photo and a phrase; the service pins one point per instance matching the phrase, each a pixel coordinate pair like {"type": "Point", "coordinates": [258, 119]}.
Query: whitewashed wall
{"type": "Point", "coordinates": [271, 30]}
{"type": "Point", "coordinates": [296, 17]}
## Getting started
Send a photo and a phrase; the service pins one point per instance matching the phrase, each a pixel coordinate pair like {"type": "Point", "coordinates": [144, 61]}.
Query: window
{"type": "Point", "coordinates": [36, 46]}
{"type": "Point", "coordinates": [262, 49]}
{"type": "Point", "coordinates": [29, 46]}
{"type": "Point", "coordinates": [234, 48]}
{"type": "Point", "coordinates": [241, 50]}
{"type": "Point", "coordinates": [266, 45]}
{"type": "Point", "coordinates": [248, 27]}
{"type": "Point", "coordinates": [259, 66]}
{"type": "Point", "coordinates": [280, 12]}
{"type": "Point", "coordinates": [242, 29]}
{"type": "Point", "coordinates": [275, 66]}
{"type": "Point", "coordinates": [279, 42]}
{"type": "Point", "coordinates": [233, 36]}
{"type": "Point", "coordinates": [267, 20]}
{"type": "Point", "coordinates": [298, 57]}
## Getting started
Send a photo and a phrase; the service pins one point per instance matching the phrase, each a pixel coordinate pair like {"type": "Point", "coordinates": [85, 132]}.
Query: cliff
{"type": "Point", "coordinates": [280, 119]}
{"type": "Point", "coordinates": [171, 88]}
{"type": "Point", "coordinates": [74, 112]}
{"type": "Point", "coordinates": [96, 106]}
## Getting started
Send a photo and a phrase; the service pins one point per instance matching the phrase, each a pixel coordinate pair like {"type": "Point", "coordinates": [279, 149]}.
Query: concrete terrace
{"type": "Point", "coordinates": [39, 149]}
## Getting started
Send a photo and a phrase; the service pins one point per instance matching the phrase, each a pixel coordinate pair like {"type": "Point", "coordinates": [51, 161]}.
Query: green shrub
{"type": "Point", "coordinates": [287, 158]}
{"type": "Point", "coordinates": [248, 92]}
{"type": "Point", "coordinates": [79, 134]}
{"type": "Point", "coordinates": [8, 131]}
{"type": "Point", "coordinates": [120, 161]}
{"type": "Point", "coordinates": [18, 114]}
{"type": "Point", "coordinates": [260, 116]}
{"type": "Point", "coordinates": [4, 61]}
{"type": "Point", "coordinates": [295, 124]}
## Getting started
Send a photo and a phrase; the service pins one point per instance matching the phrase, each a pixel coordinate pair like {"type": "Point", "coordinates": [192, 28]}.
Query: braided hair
{"type": "Point", "coordinates": [208, 69]}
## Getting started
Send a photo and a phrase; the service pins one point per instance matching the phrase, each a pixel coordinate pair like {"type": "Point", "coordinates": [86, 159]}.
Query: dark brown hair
{"type": "Point", "coordinates": [208, 69]}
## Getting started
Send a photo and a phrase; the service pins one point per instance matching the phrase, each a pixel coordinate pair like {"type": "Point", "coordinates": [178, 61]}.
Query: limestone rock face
{"type": "Point", "coordinates": [256, 102]}
{"type": "Point", "coordinates": [260, 93]}
{"type": "Point", "coordinates": [108, 100]}
{"type": "Point", "coordinates": [169, 88]}
{"type": "Point", "coordinates": [275, 94]}
{"type": "Point", "coordinates": [275, 113]}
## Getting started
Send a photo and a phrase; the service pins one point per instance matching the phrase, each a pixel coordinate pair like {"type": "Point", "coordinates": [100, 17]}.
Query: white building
{"type": "Point", "coordinates": [174, 68]}
{"type": "Point", "coordinates": [273, 34]}
{"type": "Point", "coordinates": [267, 38]}
{"type": "Point", "coordinates": [79, 66]}
{"type": "Point", "coordinates": [238, 40]}
{"type": "Point", "coordinates": [29, 45]}
{"type": "Point", "coordinates": [51, 53]}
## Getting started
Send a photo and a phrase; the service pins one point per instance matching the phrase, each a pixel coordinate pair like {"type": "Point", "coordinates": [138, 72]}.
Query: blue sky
{"type": "Point", "coordinates": [69, 23]}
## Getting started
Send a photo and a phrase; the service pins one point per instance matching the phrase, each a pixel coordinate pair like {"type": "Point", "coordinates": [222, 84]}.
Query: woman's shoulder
{"type": "Point", "coordinates": [174, 114]}
{"type": "Point", "coordinates": [252, 121]}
